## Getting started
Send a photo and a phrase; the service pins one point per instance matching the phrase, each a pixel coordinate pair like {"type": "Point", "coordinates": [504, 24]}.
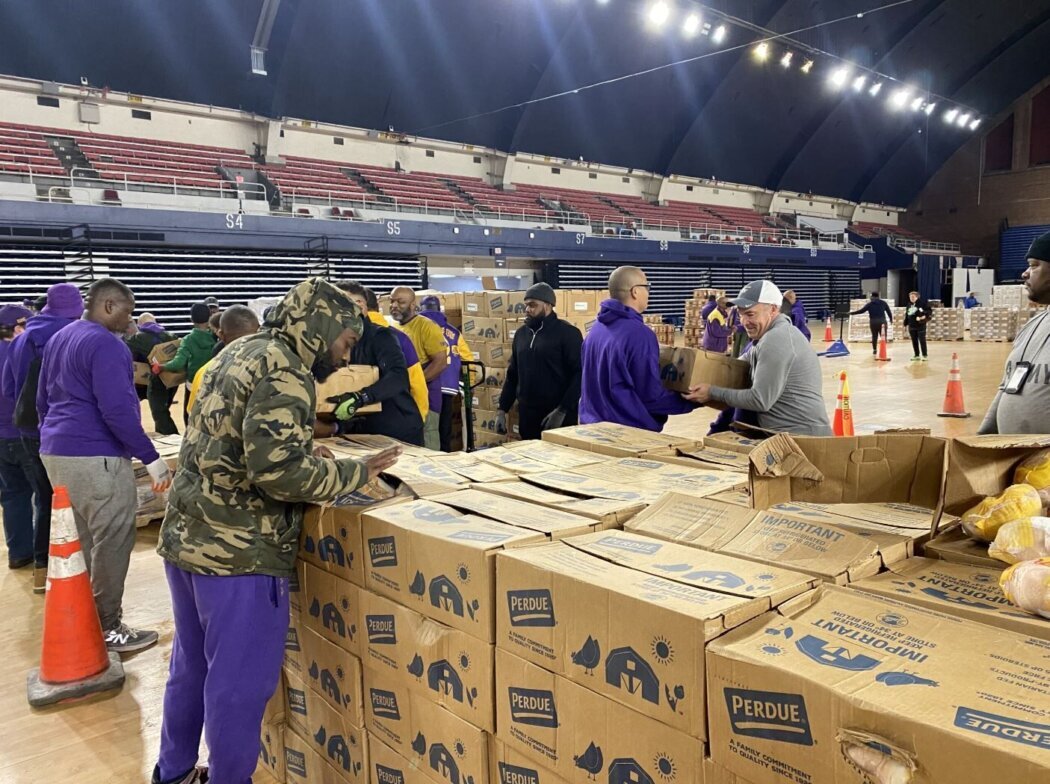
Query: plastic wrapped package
{"type": "Point", "coordinates": [1027, 585]}
{"type": "Point", "coordinates": [985, 519]}
{"type": "Point", "coordinates": [1022, 540]}
{"type": "Point", "coordinates": [1034, 470]}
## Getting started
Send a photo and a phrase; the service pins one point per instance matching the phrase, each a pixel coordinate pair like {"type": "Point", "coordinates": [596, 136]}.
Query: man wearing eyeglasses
{"type": "Point", "coordinates": [621, 361]}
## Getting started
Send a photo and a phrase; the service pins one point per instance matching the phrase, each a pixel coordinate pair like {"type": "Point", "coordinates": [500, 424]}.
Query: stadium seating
{"type": "Point", "coordinates": [488, 199]}
{"type": "Point", "coordinates": [417, 190]}
{"type": "Point", "coordinates": [25, 152]}
{"type": "Point", "coordinates": [315, 179]}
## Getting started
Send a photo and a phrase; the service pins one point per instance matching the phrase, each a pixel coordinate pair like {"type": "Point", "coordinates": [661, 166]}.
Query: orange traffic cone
{"type": "Point", "coordinates": [843, 425]}
{"type": "Point", "coordinates": [953, 396]}
{"type": "Point", "coordinates": [828, 337]}
{"type": "Point", "coordinates": [883, 355]}
{"type": "Point", "coordinates": [74, 661]}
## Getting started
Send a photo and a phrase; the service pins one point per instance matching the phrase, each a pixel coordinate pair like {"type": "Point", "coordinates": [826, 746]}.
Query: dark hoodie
{"type": "Point", "coordinates": [621, 373]}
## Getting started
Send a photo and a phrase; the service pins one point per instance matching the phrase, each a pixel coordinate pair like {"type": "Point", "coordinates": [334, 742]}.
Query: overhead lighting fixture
{"type": "Point", "coordinates": [806, 67]}
{"type": "Point", "coordinates": [916, 104]}
{"type": "Point", "coordinates": [659, 13]}
{"type": "Point", "coordinates": [859, 82]}
{"type": "Point", "coordinates": [761, 52]}
{"type": "Point", "coordinates": [950, 115]}
{"type": "Point", "coordinates": [975, 124]}
{"type": "Point", "coordinates": [929, 108]}
{"type": "Point", "coordinates": [839, 76]}
{"type": "Point", "coordinates": [719, 34]}
{"type": "Point", "coordinates": [964, 120]}
{"type": "Point", "coordinates": [691, 26]}
{"type": "Point", "coordinates": [785, 61]}
{"type": "Point", "coordinates": [875, 89]}
{"type": "Point", "coordinates": [900, 97]}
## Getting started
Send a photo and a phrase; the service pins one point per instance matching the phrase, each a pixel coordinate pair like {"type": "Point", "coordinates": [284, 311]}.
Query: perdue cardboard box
{"type": "Point", "coordinates": [583, 737]}
{"type": "Point", "coordinates": [514, 461]}
{"type": "Point", "coordinates": [609, 512]}
{"type": "Point", "coordinates": [445, 747]}
{"type": "Point", "coordinates": [331, 540]}
{"type": "Point", "coordinates": [423, 477]}
{"type": "Point", "coordinates": [627, 616]}
{"type": "Point", "coordinates": [471, 468]}
{"type": "Point", "coordinates": [616, 440]}
{"type": "Point", "coordinates": [496, 376]}
{"type": "Point", "coordinates": [511, 767]}
{"type": "Point", "coordinates": [698, 480]}
{"type": "Point", "coordinates": [552, 523]}
{"type": "Point", "coordinates": [555, 455]}
{"type": "Point", "coordinates": [484, 327]}
{"type": "Point", "coordinates": [589, 487]}
{"type": "Point", "coordinates": [271, 749]}
{"type": "Point", "coordinates": [682, 368]}
{"type": "Point", "coordinates": [497, 304]}
{"type": "Point", "coordinates": [828, 552]}
{"type": "Point", "coordinates": [303, 765]}
{"type": "Point", "coordinates": [447, 666]}
{"type": "Point", "coordinates": [733, 442]}
{"type": "Point", "coordinates": [705, 456]}
{"type": "Point", "coordinates": [579, 302]}
{"type": "Point", "coordinates": [439, 562]}
{"type": "Point", "coordinates": [492, 354]}
{"type": "Point", "coordinates": [352, 378]}
{"type": "Point", "coordinates": [970, 592]}
{"type": "Point", "coordinates": [950, 700]}
{"type": "Point", "coordinates": [163, 353]}
{"type": "Point", "coordinates": [329, 606]}
{"type": "Point", "coordinates": [332, 673]}
{"type": "Point", "coordinates": [389, 767]}
{"type": "Point", "coordinates": [487, 397]}
{"type": "Point", "coordinates": [327, 731]}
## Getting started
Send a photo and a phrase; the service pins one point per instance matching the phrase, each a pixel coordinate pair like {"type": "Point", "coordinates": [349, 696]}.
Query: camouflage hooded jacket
{"type": "Point", "coordinates": [246, 466]}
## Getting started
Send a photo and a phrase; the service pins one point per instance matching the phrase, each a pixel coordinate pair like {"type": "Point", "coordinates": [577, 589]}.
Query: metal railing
{"type": "Point", "coordinates": [226, 189]}
{"type": "Point", "coordinates": [488, 212]}
{"type": "Point", "coordinates": [923, 246]}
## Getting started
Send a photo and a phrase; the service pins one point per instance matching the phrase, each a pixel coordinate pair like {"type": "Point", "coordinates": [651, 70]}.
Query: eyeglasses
{"type": "Point", "coordinates": [646, 286]}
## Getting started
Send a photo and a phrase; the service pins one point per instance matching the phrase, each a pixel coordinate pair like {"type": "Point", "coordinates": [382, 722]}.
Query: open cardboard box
{"type": "Point", "coordinates": [682, 368]}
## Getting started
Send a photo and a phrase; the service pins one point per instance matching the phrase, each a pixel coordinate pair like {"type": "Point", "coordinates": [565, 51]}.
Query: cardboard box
{"type": "Point", "coordinates": [497, 304]}
{"type": "Point", "coordinates": [579, 302]}
{"type": "Point", "coordinates": [352, 378]}
{"type": "Point", "coordinates": [732, 442]}
{"type": "Point", "coordinates": [486, 420]}
{"type": "Point", "coordinates": [486, 397]}
{"type": "Point", "coordinates": [708, 456]}
{"type": "Point", "coordinates": [485, 328]}
{"type": "Point", "coordinates": [492, 354]}
{"type": "Point", "coordinates": [142, 372]}
{"type": "Point", "coordinates": [163, 353]}
{"type": "Point", "coordinates": [616, 612]}
{"type": "Point", "coordinates": [329, 606]}
{"type": "Point", "coordinates": [959, 701]}
{"type": "Point", "coordinates": [699, 481]}
{"type": "Point", "coordinates": [389, 767]}
{"type": "Point", "coordinates": [423, 477]}
{"type": "Point", "coordinates": [271, 749]}
{"type": "Point", "coordinates": [606, 438]}
{"type": "Point", "coordinates": [327, 732]}
{"type": "Point", "coordinates": [980, 466]}
{"type": "Point", "coordinates": [331, 540]}
{"type": "Point", "coordinates": [952, 544]}
{"type": "Point", "coordinates": [510, 767]}
{"type": "Point", "coordinates": [552, 523]}
{"type": "Point", "coordinates": [971, 592]}
{"type": "Point", "coordinates": [555, 455]}
{"type": "Point", "coordinates": [609, 512]}
{"type": "Point", "coordinates": [828, 552]}
{"type": "Point", "coordinates": [303, 765]}
{"type": "Point", "coordinates": [485, 439]}
{"type": "Point", "coordinates": [734, 497]}
{"type": "Point", "coordinates": [510, 329]}
{"type": "Point", "coordinates": [517, 463]}
{"type": "Point", "coordinates": [580, 485]}
{"type": "Point", "coordinates": [445, 665]}
{"type": "Point", "coordinates": [497, 376]}
{"type": "Point", "coordinates": [583, 323]}
{"type": "Point", "coordinates": [583, 737]}
{"type": "Point", "coordinates": [682, 368]}
{"type": "Point", "coordinates": [333, 673]}
{"type": "Point", "coordinates": [445, 747]}
{"type": "Point", "coordinates": [439, 562]}
{"type": "Point", "coordinates": [470, 467]}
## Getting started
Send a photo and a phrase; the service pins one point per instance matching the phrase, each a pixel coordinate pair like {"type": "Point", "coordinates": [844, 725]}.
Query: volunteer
{"type": "Point", "coordinates": [971, 301]}
{"type": "Point", "coordinates": [717, 328]}
{"type": "Point", "coordinates": [230, 536]}
{"type": "Point", "coordinates": [785, 388]}
{"type": "Point", "coordinates": [90, 428]}
{"type": "Point", "coordinates": [16, 493]}
{"type": "Point", "coordinates": [432, 349]}
{"type": "Point", "coordinates": [458, 353]}
{"type": "Point", "coordinates": [879, 317]}
{"type": "Point", "coordinates": [194, 352]}
{"type": "Point", "coordinates": [235, 322]}
{"type": "Point", "coordinates": [21, 377]}
{"type": "Point", "coordinates": [1022, 404]}
{"type": "Point", "coordinates": [417, 382]}
{"type": "Point", "coordinates": [793, 308]}
{"type": "Point", "coordinates": [620, 361]}
{"type": "Point", "coordinates": [543, 374]}
{"type": "Point", "coordinates": [916, 317]}
{"type": "Point", "coordinates": [149, 335]}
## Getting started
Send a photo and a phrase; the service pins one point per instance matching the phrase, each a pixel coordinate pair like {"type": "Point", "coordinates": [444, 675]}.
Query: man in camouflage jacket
{"type": "Point", "coordinates": [231, 531]}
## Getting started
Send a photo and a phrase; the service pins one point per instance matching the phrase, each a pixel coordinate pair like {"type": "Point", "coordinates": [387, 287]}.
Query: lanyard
{"type": "Point", "coordinates": [1035, 328]}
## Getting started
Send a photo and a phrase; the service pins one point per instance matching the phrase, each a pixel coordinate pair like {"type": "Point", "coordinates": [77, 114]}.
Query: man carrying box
{"type": "Point", "coordinates": [194, 352]}
{"type": "Point", "coordinates": [785, 372]}
{"type": "Point", "coordinates": [230, 536]}
{"type": "Point", "coordinates": [149, 335]}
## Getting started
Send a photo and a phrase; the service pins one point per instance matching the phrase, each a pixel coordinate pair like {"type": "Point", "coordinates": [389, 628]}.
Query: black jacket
{"type": "Point", "coordinates": [544, 369]}
{"type": "Point", "coordinates": [400, 418]}
{"type": "Point", "coordinates": [878, 311]}
{"type": "Point", "coordinates": [921, 317]}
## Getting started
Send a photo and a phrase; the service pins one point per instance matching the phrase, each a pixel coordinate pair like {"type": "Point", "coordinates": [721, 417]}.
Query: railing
{"type": "Point", "coordinates": [707, 232]}
{"type": "Point", "coordinates": [923, 246]}
{"type": "Point", "coordinates": [487, 212]}
{"type": "Point", "coordinates": [226, 189]}
{"type": "Point", "coordinates": [630, 227]}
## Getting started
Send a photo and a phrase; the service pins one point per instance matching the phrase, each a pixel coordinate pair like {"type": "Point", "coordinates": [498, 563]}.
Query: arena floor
{"type": "Point", "coordinates": [114, 738]}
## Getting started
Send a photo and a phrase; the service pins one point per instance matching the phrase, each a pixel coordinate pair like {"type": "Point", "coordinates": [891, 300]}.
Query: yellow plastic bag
{"type": "Point", "coordinates": [1017, 501]}
{"type": "Point", "coordinates": [1035, 471]}
{"type": "Point", "coordinates": [1022, 540]}
{"type": "Point", "coordinates": [1027, 584]}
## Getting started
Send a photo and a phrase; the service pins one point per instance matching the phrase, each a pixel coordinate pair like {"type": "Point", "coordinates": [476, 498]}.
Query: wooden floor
{"type": "Point", "coordinates": [113, 739]}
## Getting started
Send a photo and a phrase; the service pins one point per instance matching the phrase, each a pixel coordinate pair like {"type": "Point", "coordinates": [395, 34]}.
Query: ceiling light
{"type": "Point", "coordinates": [692, 25]}
{"type": "Point", "coordinates": [806, 67]}
{"type": "Point", "coordinates": [950, 115]}
{"type": "Point", "coordinates": [859, 82]}
{"type": "Point", "coordinates": [761, 52]}
{"type": "Point", "coordinates": [964, 120]}
{"type": "Point", "coordinates": [916, 104]}
{"type": "Point", "coordinates": [659, 13]}
{"type": "Point", "coordinates": [900, 97]}
{"type": "Point", "coordinates": [786, 59]}
{"type": "Point", "coordinates": [875, 89]}
{"type": "Point", "coordinates": [928, 108]}
{"type": "Point", "coordinates": [719, 34]}
{"type": "Point", "coordinates": [974, 125]}
{"type": "Point", "coordinates": [839, 76]}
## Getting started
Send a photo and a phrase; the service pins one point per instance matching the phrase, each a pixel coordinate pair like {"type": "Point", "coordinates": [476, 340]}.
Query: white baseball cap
{"type": "Point", "coordinates": [758, 292]}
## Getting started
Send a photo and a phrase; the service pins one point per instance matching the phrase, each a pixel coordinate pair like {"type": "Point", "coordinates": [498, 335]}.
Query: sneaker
{"type": "Point", "coordinates": [124, 639]}
{"type": "Point", "coordinates": [924, 360]}
{"type": "Point", "coordinates": [195, 776]}
{"type": "Point", "coordinates": [915, 359]}
{"type": "Point", "coordinates": [19, 563]}
{"type": "Point", "coordinates": [39, 579]}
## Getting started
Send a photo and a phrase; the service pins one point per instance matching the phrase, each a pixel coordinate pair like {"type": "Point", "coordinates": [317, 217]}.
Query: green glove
{"type": "Point", "coordinates": [346, 405]}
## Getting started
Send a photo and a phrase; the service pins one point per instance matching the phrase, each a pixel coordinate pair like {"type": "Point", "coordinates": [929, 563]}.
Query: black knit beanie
{"type": "Point", "coordinates": [543, 292]}
{"type": "Point", "coordinates": [1040, 248]}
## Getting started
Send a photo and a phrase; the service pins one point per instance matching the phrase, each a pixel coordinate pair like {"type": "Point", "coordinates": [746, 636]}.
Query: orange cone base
{"type": "Point", "coordinates": [883, 359]}
{"type": "Point", "coordinates": [961, 415]}
{"type": "Point", "coordinates": [41, 693]}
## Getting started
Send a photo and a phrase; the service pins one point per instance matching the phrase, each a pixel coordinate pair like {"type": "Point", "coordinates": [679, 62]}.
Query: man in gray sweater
{"type": "Point", "coordinates": [785, 387]}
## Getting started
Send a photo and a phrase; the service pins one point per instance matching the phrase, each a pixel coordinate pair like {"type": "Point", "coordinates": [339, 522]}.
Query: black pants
{"type": "Point", "coordinates": [160, 399]}
{"type": "Point", "coordinates": [530, 420]}
{"type": "Point", "coordinates": [918, 341]}
{"type": "Point", "coordinates": [876, 333]}
{"type": "Point", "coordinates": [448, 403]}
{"type": "Point", "coordinates": [41, 484]}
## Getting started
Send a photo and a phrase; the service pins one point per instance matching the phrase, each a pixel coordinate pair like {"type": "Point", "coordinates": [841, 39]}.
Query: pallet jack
{"type": "Point", "coordinates": [466, 374]}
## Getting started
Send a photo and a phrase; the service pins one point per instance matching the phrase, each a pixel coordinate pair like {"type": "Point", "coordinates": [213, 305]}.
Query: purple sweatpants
{"type": "Point", "coordinates": [225, 664]}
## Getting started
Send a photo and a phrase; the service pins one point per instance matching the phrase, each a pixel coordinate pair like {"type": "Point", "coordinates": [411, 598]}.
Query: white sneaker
{"type": "Point", "coordinates": [124, 639]}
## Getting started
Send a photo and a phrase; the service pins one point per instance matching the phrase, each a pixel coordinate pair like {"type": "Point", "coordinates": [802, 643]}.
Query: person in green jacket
{"type": "Point", "coordinates": [148, 335]}
{"type": "Point", "coordinates": [194, 352]}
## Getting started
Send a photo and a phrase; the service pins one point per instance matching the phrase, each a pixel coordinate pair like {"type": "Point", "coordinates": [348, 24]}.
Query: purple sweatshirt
{"type": "Point", "coordinates": [23, 350]}
{"type": "Point", "coordinates": [798, 318]}
{"type": "Point", "coordinates": [450, 375]}
{"type": "Point", "coordinates": [716, 333]}
{"type": "Point", "coordinates": [621, 373]}
{"type": "Point", "coordinates": [7, 404]}
{"type": "Point", "coordinates": [86, 399]}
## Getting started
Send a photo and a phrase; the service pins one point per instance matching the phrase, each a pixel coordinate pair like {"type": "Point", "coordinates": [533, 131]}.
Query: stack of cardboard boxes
{"type": "Point", "coordinates": [859, 330]}
{"type": "Point", "coordinates": [664, 332]}
{"type": "Point", "coordinates": [995, 324]}
{"type": "Point", "coordinates": [1013, 296]}
{"type": "Point", "coordinates": [580, 307]}
{"type": "Point", "coordinates": [693, 330]}
{"type": "Point", "coordinates": [490, 320]}
{"type": "Point", "coordinates": [946, 324]}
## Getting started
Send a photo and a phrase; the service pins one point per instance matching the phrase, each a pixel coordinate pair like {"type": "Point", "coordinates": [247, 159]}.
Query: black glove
{"type": "Point", "coordinates": [553, 420]}
{"type": "Point", "coordinates": [501, 422]}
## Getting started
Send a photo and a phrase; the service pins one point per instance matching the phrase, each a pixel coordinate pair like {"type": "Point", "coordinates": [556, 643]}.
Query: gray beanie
{"type": "Point", "coordinates": [542, 292]}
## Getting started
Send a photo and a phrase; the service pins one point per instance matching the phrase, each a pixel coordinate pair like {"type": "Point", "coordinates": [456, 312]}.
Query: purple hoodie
{"type": "Point", "coordinates": [716, 334]}
{"type": "Point", "coordinates": [23, 350]}
{"type": "Point", "coordinates": [86, 398]}
{"type": "Point", "coordinates": [621, 373]}
{"type": "Point", "coordinates": [7, 404]}
{"type": "Point", "coordinates": [450, 375]}
{"type": "Point", "coordinates": [798, 318]}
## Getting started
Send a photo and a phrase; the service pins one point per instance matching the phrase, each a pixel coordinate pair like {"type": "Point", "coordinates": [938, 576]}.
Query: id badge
{"type": "Point", "coordinates": [1018, 378]}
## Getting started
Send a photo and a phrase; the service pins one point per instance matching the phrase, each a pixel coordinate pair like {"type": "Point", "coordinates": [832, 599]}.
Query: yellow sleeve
{"type": "Point", "coordinates": [417, 387]}
{"type": "Point", "coordinates": [432, 339]}
{"type": "Point", "coordinates": [464, 350]}
{"type": "Point", "coordinates": [196, 385]}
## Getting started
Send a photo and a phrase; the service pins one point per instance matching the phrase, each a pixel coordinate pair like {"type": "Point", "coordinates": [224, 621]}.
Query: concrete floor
{"type": "Point", "coordinates": [114, 738]}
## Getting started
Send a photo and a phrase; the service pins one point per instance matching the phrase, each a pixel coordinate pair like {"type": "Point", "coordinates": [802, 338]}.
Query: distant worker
{"type": "Point", "coordinates": [1022, 404]}
{"type": "Point", "coordinates": [796, 311]}
{"type": "Point", "coordinates": [458, 353]}
{"type": "Point", "coordinates": [194, 352]}
{"type": "Point", "coordinates": [543, 375]}
{"type": "Point", "coordinates": [785, 388]}
{"type": "Point", "coordinates": [620, 360]}
{"type": "Point", "coordinates": [971, 301]}
{"type": "Point", "coordinates": [717, 329]}
{"type": "Point", "coordinates": [230, 536]}
{"type": "Point", "coordinates": [213, 305]}
{"type": "Point", "coordinates": [433, 353]}
{"type": "Point", "coordinates": [149, 335]}
{"type": "Point", "coordinates": [880, 316]}
{"type": "Point", "coordinates": [417, 382]}
{"type": "Point", "coordinates": [235, 322]}
{"type": "Point", "coordinates": [16, 493]}
{"type": "Point", "coordinates": [916, 318]}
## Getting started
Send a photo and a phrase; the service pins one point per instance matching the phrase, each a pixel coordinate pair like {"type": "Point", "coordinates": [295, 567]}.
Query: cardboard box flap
{"type": "Point", "coordinates": [700, 568]}
{"type": "Point", "coordinates": [589, 487]}
{"type": "Point", "coordinates": [556, 455]}
{"type": "Point", "coordinates": [955, 545]}
{"type": "Point", "coordinates": [438, 521]}
{"type": "Point", "coordinates": [595, 508]}
{"type": "Point", "coordinates": [707, 524]}
{"type": "Point", "coordinates": [510, 460]}
{"type": "Point", "coordinates": [424, 477]}
{"type": "Point", "coordinates": [469, 467]}
{"type": "Point", "coordinates": [534, 517]}
{"type": "Point", "coordinates": [636, 472]}
{"type": "Point", "coordinates": [980, 466]}
{"type": "Point", "coordinates": [1005, 441]}
{"type": "Point", "coordinates": [717, 456]}
{"type": "Point", "coordinates": [780, 456]}
{"type": "Point", "coordinates": [609, 438]}
{"type": "Point", "coordinates": [866, 515]}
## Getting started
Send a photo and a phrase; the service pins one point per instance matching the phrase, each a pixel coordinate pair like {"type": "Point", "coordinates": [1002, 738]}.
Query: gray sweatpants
{"type": "Point", "coordinates": [102, 492]}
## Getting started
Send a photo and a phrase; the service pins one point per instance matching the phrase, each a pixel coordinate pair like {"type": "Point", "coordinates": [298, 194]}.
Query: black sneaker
{"type": "Point", "coordinates": [19, 563]}
{"type": "Point", "coordinates": [195, 776]}
{"type": "Point", "coordinates": [124, 639]}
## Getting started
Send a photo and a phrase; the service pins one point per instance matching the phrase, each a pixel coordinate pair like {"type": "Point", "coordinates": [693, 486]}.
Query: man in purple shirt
{"type": "Point", "coordinates": [16, 493]}
{"type": "Point", "coordinates": [90, 428]}
{"type": "Point", "coordinates": [63, 305]}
